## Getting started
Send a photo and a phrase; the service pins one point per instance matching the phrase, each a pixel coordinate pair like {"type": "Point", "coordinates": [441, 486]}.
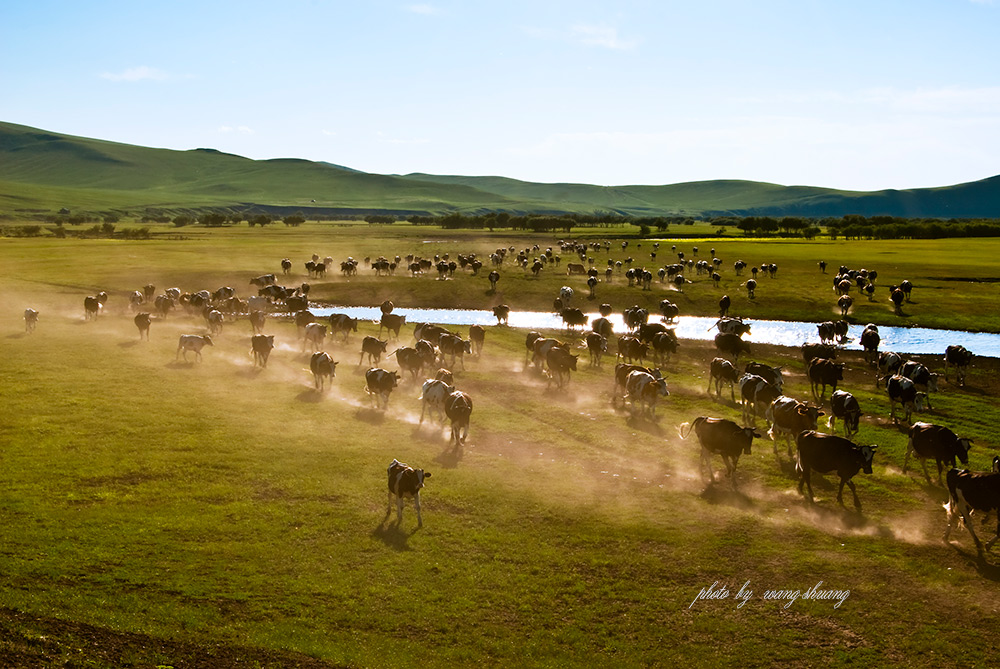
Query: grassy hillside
{"type": "Point", "coordinates": [42, 170]}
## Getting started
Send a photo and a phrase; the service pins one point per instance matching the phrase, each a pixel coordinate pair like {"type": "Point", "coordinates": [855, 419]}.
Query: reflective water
{"type": "Point", "coordinates": [785, 333]}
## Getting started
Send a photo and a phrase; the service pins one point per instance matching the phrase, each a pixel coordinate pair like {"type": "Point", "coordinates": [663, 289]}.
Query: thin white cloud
{"type": "Point", "coordinates": [427, 10]}
{"type": "Point", "coordinates": [141, 73]}
{"type": "Point", "coordinates": [329, 133]}
{"type": "Point", "coordinates": [602, 36]}
{"type": "Point", "coordinates": [242, 129]}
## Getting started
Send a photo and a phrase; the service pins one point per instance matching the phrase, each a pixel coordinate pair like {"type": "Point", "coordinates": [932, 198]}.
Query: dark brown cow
{"type": "Point", "coordinates": [392, 323]}
{"type": "Point", "coordinates": [260, 347]}
{"type": "Point", "coordinates": [788, 417]}
{"type": "Point", "coordinates": [732, 345]}
{"type": "Point", "coordinates": [631, 349]}
{"type": "Point", "coordinates": [374, 347]}
{"type": "Point", "coordinates": [502, 313]}
{"type": "Point", "coordinates": [257, 319]}
{"type": "Point", "coordinates": [938, 442]}
{"type": "Point", "coordinates": [597, 346]}
{"type": "Point", "coordinates": [869, 341]}
{"type": "Point", "coordinates": [405, 481]}
{"type": "Point", "coordinates": [721, 370]}
{"type": "Point", "coordinates": [968, 492]}
{"type": "Point", "coordinates": [826, 453]}
{"type": "Point", "coordinates": [813, 351]}
{"type": "Point", "coordinates": [560, 363]}
{"type": "Point", "coordinates": [718, 435]}
{"type": "Point", "coordinates": [823, 373]}
{"type": "Point", "coordinates": [142, 322]}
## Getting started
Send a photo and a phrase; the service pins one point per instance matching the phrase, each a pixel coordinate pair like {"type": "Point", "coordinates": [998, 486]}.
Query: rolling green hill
{"type": "Point", "coordinates": [43, 171]}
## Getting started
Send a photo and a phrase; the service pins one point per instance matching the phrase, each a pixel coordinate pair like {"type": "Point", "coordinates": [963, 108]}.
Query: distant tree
{"type": "Point", "coordinates": [295, 220]}
{"type": "Point", "coordinates": [261, 220]}
{"type": "Point", "coordinates": [212, 219]}
{"type": "Point", "coordinates": [108, 229]}
{"type": "Point", "coordinates": [181, 220]}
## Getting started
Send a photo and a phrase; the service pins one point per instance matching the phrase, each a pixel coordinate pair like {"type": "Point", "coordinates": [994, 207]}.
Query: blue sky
{"type": "Point", "coordinates": [843, 94]}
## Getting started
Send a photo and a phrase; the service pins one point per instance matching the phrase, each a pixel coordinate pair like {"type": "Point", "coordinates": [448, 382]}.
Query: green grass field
{"type": "Point", "coordinates": [162, 512]}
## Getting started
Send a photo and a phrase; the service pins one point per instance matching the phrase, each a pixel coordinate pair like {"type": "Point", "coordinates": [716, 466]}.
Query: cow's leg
{"type": "Point", "coordinates": [804, 477]}
{"type": "Point", "coordinates": [950, 512]}
{"type": "Point", "coordinates": [706, 459]}
{"type": "Point", "coordinates": [399, 509]}
{"type": "Point", "coordinates": [416, 503]}
{"type": "Point", "coordinates": [854, 491]}
{"type": "Point", "coordinates": [989, 544]}
{"type": "Point", "coordinates": [388, 507]}
{"type": "Point", "coordinates": [963, 508]}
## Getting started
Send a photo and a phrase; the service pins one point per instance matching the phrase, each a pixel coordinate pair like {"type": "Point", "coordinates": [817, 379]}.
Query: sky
{"type": "Point", "coordinates": [856, 95]}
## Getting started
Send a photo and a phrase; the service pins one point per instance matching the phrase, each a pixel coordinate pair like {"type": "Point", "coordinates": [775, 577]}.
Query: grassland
{"type": "Point", "coordinates": [193, 514]}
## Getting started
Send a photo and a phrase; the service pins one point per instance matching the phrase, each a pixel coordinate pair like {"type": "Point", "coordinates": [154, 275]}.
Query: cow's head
{"type": "Point", "coordinates": [964, 444]}
{"type": "Point", "coordinates": [918, 401]}
{"type": "Point", "coordinates": [932, 382]}
{"type": "Point", "coordinates": [207, 340]}
{"type": "Point", "coordinates": [750, 433]}
{"type": "Point", "coordinates": [867, 453]}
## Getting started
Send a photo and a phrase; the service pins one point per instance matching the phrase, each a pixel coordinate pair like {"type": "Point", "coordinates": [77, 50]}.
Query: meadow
{"type": "Point", "coordinates": [162, 512]}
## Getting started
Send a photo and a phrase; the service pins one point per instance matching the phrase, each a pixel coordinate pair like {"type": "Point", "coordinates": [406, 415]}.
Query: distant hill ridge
{"type": "Point", "coordinates": [46, 170]}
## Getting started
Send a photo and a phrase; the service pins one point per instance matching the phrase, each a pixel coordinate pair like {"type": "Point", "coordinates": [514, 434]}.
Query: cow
{"type": "Point", "coordinates": [869, 341]}
{"type": "Point", "coordinates": [642, 389]}
{"type": "Point", "coordinates": [315, 335]}
{"type": "Point", "coordinates": [163, 304]}
{"type": "Point", "coordinates": [565, 295]}
{"type": "Point", "coordinates": [302, 319]}
{"type": "Point", "coordinates": [260, 348]}
{"type": "Point", "coordinates": [92, 305]}
{"type": "Point", "coordinates": [405, 481]}
{"type": "Point", "coordinates": [751, 286]}
{"type": "Point", "coordinates": [458, 409]}
{"type": "Point", "coordinates": [374, 347]}
{"type": "Point", "coordinates": [845, 303]}
{"type": "Point", "coordinates": [923, 378]}
{"type": "Point", "coordinates": [30, 320]}
{"type": "Point", "coordinates": [573, 317]}
{"type": "Point", "coordinates": [635, 316]}
{"type": "Point", "coordinates": [433, 393]}
{"type": "Point", "coordinates": [788, 417]}
{"type": "Point", "coordinates": [724, 304]}
{"type": "Point", "coordinates": [286, 265]}
{"type": "Point", "coordinates": [262, 280]}
{"type": "Point", "coordinates": [664, 345]}
{"type": "Point", "coordinates": [729, 325]}
{"type": "Point", "coordinates": [756, 396]}
{"type": "Point", "coordinates": [969, 492]}
{"type": "Point", "coordinates": [379, 384]}
{"type": "Point", "coordinates": [813, 351]}
{"type": "Point", "coordinates": [938, 442]}
{"type": "Point", "coordinates": [844, 406]}
{"type": "Point", "coordinates": [454, 346]}
{"type": "Point", "coordinates": [721, 370]}
{"type": "Point", "coordinates": [575, 268]}
{"type": "Point", "coordinates": [770, 374]}
{"type": "Point", "coordinates": [560, 363]}
{"type": "Point", "coordinates": [827, 453]}
{"type": "Point", "coordinates": [718, 435]}
{"type": "Point", "coordinates": [135, 300]}
{"type": "Point", "coordinates": [297, 303]}
{"type": "Point", "coordinates": [823, 373]}
{"type": "Point", "coordinates": [896, 296]}
{"type": "Point", "coordinates": [215, 320]}
{"type": "Point", "coordinates": [631, 349]}
{"type": "Point", "coordinates": [502, 313]}
{"type": "Point", "coordinates": [732, 345]}
{"type": "Point", "coordinates": [322, 367]}
{"type": "Point", "coordinates": [410, 360]}
{"type": "Point", "coordinates": [428, 331]}
{"type": "Point", "coordinates": [257, 320]}
{"type": "Point", "coordinates": [826, 332]}
{"type": "Point", "coordinates": [392, 323]}
{"type": "Point", "coordinates": [889, 363]}
{"type": "Point", "coordinates": [603, 327]}
{"type": "Point", "coordinates": [669, 311]}
{"type": "Point", "coordinates": [597, 346]}
{"type": "Point", "coordinates": [342, 323]}
{"type": "Point", "coordinates": [189, 342]}
{"type": "Point", "coordinates": [142, 322]}
{"type": "Point", "coordinates": [902, 390]}
{"type": "Point", "coordinates": [960, 357]}
{"type": "Point", "coordinates": [493, 278]}
{"type": "Point", "coordinates": [540, 347]}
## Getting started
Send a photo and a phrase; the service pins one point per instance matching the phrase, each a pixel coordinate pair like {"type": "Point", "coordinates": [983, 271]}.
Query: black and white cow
{"type": "Point", "coordinates": [968, 492]}
{"type": "Point", "coordinates": [323, 368]}
{"type": "Point", "coordinates": [827, 453]}
{"type": "Point", "coordinates": [938, 442]}
{"type": "Point", "coordinates": [342, 324]}
{"type": "Point", "coordinates": [189, 342]}
{"type": "Point", "coordinates": [844, 405]}
{"type": "Point", "coordinates": [770, 374]}
{"type": "Point", "coordinates": [730, 325]}
{"type": "Point", "coordinates": [379, 384]}
{"type": "Point", "coordinates": [889, 363]}
{"type": "Point", "coordinates": [902, 390]}
{"type": "Point", "coordinates": [260, 348]}
{"type": "Point", "coordinates": [405, 481]}
{"type": "Point", "coordinates": [453, 346]}
{"type": "Point", "coordinates": [923, 378]}
{"type": "Point", "coordinates": [823, 373]}
{"type": "Point", "coordinates": [718, 435]}
{"type": "Point", "coordinates": [433, 394]}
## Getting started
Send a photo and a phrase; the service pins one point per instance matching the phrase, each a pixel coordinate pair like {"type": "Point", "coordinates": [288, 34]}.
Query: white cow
{"type": "Point", "coordinates": [433, 394]}
{"type": "Point", "coordinates": [315, 334]}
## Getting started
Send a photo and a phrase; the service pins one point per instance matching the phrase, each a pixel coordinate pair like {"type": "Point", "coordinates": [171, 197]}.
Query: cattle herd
{"type": "Point", "coordinates": [641, 353]}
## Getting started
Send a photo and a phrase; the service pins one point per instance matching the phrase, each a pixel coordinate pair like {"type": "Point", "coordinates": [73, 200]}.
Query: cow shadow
{"type": "Point", "coordinates": [17, 335]}
{"type": "Point", "coordinates": [986, 569]}
{"type": "Point", "coordinates": [128, 344]}
{"type": "Point", "coordinates": [370, 415]}
{"type": "Point", "coordinates": [392, 536]}
{"type": "Point", "coordinates": [310, 396]}
{"type": "Point", "coordinates": [251, 373]}
{"type": "Point", "coordinates": [180, 364]}
{"type": "Point", "coordinates": [449, 457]}
{"type": "Point", "coordinates": [644, 424]}
{"type": "Point", "coordinates": [723, 494]}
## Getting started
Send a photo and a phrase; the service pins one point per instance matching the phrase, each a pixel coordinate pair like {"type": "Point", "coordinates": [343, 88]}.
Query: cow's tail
{"type": "Point", "coordinates": [689, 426]}
{"type": "Point", "coordinates": [394, 352]}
